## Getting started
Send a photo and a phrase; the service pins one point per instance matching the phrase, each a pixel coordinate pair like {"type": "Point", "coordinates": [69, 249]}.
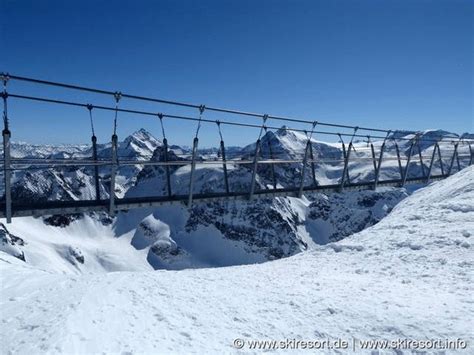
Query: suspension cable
{"type": "Point", "coordinates": [314, 124]}
{"type": "Point", "coordinates": [394, 140]}
{"type": "Point", "coordinates": [5, 78]}
{"type": "Point", "coordinates": [340, 138]}
{"type": "Point", "coordinates": [353, 135]}
{"type": "Point", "coordinates": [177, 103]}
{"type": "Point", "coordinates": [160, 116]}
{"type": "Point", "coordinates": [263, 127]}
{"type": "Point", "coordinates": [218, 123]}
{"type": "Point", "coordinates": [352, 138]}
{"type": "Point", "coordinates": [90, 107]}
{"type": "Point", "coordinates": [108, 108]}
{"type": "Point", "coordinates": [201, 110]}
{"type": "Point", "coordinates": [117, 96]}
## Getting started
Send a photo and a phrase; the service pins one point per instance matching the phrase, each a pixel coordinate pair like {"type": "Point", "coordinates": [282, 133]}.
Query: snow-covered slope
{"type": "Point", "coordinates": [409, 276]}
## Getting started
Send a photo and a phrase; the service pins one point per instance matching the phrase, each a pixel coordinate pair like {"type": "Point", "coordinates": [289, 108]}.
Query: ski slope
{"type": "Point", "coordinates": [409, 276]}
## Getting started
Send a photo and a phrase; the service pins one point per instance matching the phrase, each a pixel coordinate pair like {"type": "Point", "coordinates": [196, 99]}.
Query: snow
{"type": "Point", "coordinates": [409, 276]}
{"type": "Point", "coordinates": [50, 248]}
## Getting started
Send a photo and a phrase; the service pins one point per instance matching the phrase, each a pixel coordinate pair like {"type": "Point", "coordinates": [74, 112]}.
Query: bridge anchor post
{"type": "Point", "coordinates": [6, 151]}
{"type": "Point", "coordinates": [7, 174]}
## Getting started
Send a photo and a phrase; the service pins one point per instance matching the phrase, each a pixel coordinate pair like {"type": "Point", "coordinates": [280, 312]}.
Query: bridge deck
{"type": "Point", "coordinates": [124, 204]}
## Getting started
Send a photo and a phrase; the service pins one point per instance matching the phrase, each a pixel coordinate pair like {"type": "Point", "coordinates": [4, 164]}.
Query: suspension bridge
{"type": "Point", "coordinates": [457, 151]}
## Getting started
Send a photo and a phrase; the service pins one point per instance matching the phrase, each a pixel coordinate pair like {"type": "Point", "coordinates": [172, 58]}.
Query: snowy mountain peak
{"type": "Point", "coordinates": [290, 144]}
{"type": "Point", "coordinates": [429, 134]}
{"type": "Point", "coordinates": [282, 131]}
{"type": "Point", "coordinates": [142, 136]}
{"type": "Point", "coordinates": [140, 143]}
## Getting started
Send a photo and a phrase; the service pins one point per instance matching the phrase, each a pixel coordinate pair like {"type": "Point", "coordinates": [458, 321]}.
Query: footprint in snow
{"type": "Point", "coordinates": [187, 335]}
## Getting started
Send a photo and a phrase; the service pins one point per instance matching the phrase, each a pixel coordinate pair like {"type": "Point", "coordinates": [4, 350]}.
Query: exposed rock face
{"type": "Point", "coordinates": [11, 244]}
{"type": "Point", "coordinates": [259, 230]}
{"type": "Point", "coordinates": [336, 216]}
{"type": "Point", "coordinates": [268, 226]}
{"type": "Point", "coordinates": [61, 220]}
{"type": "Point", "coordinates": [76, 255]}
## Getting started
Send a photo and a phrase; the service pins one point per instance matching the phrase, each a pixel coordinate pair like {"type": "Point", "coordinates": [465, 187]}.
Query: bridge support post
{"type": "Point", "coordinates": [113, 172]}
{"type": "Point", "coordinates": [400, 169]}
{"type": "Point", "coordinates": [96, 168]}
{"type": "Point", "coordinates": [193, 168]}
{"type": "Point", "coordinates": [374, 160]}
{"type": "Point", "coordinates": [379, 165]}
{"type": "Point", "coordinates": [431, 163]}
{"type": "Point", "coordinates": [345, 172]}
{"type": "Point", "coordinates": [6, 152]}
{"type": "Point", "coordinates": [344, 153]}
{"type": "Point", "coordinates": [224, 167]}
{"type": "Point", "coordinates": [421, 159]}
{"type": "Point", "coordinates": [303, 169]}
{"type": "Point", "coordinates": [7, 174]}
{"type": "Point", "coordinates": [313, 166]}
{"type": "Point", "coordinates": [455, 153]}
{"type": "Point", "coordinates": [458, 163]}
{"type": "Point", "coordinates": [405, 172]}
{"type": "Point", "coordinates": [167, 167]}
{"type": "Point", "coordinates": [471, 152]}
{"type": "Point", "coordinates": [440, 160]}
{"type": "Point", "coordinates": [254, 171]}
{"type": "Point", "coordinates": [272, 166]}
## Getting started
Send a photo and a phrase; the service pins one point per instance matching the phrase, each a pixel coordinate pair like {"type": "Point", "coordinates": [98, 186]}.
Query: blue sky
{"type": "Point", "coordinates": [387, 64]}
